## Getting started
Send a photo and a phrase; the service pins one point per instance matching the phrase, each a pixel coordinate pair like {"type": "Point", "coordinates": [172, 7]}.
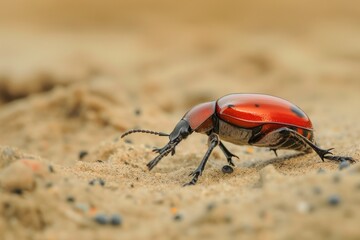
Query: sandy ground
{"type": "Point", "coordinates": [73, 81]}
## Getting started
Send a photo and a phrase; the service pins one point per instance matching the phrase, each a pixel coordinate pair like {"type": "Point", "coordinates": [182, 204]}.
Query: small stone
{"type": "Point", "coordinates": [137, 112]}
{"type": "Point", "coordinates": [101, 219]}
{"type": "Point", "coordinates": [70, 199]}
{"type": "Point", "coordinates": [8, 152]}
{"type": "Point", "coordinates": [317, 190]}
{"type": "Point", "coordinates": [116, 220]}
{"type": "Point", "coordinates": [321, 171]}
{"type": "Point", "coordinates": [101, 181]}
{"type": "Point", "coordinates": [344, 164]}
{"type": "Point", "coordinates": [304, 207]}
{"type": "Point", "coordinates": [336, 178]}
{"type": "Point", "coordinates": [210, 206]}
{"type": "Point", "coordinates": [83, 207]}
{"type": "Point", "coordinates": [227, 169]}
{"type": "Point", "coordinates": [178, 217]}
{"type": "Point", "coordinates": [128, 141]}
{"type": "Point", "coordinates": [51, 169]}
{"type": "Point", "coordinates": [334, 200]}
{"type": "Point", "coordinates": [82, 154]}
{"type": "Point", "coordinates": [17, 191]}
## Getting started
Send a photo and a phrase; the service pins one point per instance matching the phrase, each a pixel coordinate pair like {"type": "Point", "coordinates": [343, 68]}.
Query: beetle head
{"type": "Point", "coordinates": [181, 131]}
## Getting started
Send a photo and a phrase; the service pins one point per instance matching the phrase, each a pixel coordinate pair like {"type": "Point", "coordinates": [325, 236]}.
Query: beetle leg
{"type": "Point", "coordinates": [323, 153]}
{"type": "Point", "coordinates": [227, 154]}
{"type": "Point", "coordinates": [163, 152]}
{"type": "Point", "coordinates": [213, 142]}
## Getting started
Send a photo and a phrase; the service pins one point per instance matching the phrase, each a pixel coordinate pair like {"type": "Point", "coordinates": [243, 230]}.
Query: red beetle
{"type": "Point", "coordinates": [244, 119]}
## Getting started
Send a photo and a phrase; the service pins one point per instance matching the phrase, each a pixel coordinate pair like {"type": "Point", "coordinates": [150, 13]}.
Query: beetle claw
{"type": "Point", "coordinates": [195, 174]}
{"type": "Point", "coordinates": [340, 159]}
{"type": "Point", "coordinates": [160, 150]}
{"type": "Point", "coordinates": [230, 161]}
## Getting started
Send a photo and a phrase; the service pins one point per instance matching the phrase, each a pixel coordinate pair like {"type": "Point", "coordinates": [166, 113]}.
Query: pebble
{"type": "Point", "coordinates": [99, 180]}
{"type": "Point", "coordinates": [83, 207]}
{"type": "Point", "coordinates": [70, 199]}
{"type": "Point", "coordinates": [8, 152]}
{"type": "Point", "coordinates": [304, 207]}
{"type": "Point", "coordinates": [343, 164]}
{"type": "Point", "coordinates": [317, 190]}
{"type": "Point", "coordinates": [101, 219]}
{"type": "Point", "coordinates": [227, 169]}
{"type": "Point", "coordinates": [82, 154]}
{"type": "Point", "coordinates": [137, 112]}
{"type": "Point", "coordinates": [51, 169]}
{"type": "Point", "coordinates": [336, 178]}
{"type": "Point", "coordinates": [210, 206]}
{"type": "Point", "coordinates": [128, 141]}
{"type": "Point", "coordinates": [334, 200]}
{"type": "Point", "coordinates": [320, 171]}
{"type": "Point", "coordinates": [178, 217]}
{"type": "Point", "coordinates": [116, 220]}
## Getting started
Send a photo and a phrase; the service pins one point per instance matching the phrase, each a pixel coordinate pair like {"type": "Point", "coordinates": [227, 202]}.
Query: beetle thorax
{"type": "Point", "coordinates": [200, 117]}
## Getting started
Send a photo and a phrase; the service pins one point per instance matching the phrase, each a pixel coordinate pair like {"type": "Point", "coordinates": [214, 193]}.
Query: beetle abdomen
{"type": "Point", "coordinates": [252, 110]}
{"type": "Point", "coordinates": [233, 134]}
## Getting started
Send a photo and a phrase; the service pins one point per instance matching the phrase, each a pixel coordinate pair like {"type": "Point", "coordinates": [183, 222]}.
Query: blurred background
{"type": "Point", "coordinates": [159, 58]}
{"type": "Point", "coordinates": [76, 74]}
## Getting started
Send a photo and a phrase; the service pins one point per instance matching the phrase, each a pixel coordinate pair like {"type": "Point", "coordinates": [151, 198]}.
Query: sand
{"type": "Point", "coordinates": [74, 78]}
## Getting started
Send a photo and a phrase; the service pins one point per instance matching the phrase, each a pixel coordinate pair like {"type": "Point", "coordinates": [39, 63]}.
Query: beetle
{"type": "Point", "coordinates": [244, 119]}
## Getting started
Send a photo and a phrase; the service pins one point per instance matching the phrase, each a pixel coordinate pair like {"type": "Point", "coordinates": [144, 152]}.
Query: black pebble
{"type": "Point", "coordinates": [82, 154]}
{"type": "Point", "coordinates": [101, 219]}
{"type": "Point", "coordinates": [70, 199]}
{"type": "Point", "coordinates": [210, 206]}
{"type": "Point", "coordinates": [101, 181]}
{"type": "Point", "coordinates": [334, 200]}
{"type": "Point", "coordinates": [116, 220]}
{"type": "Point", "coordinates": [17, 191]}
{"type": "Point", "coordinates": [178, 217]}
{"type": "Point", "coordinates": [343, 164]}
{"type": "Point", "coordinates": [128, 141]}
{"type": "Point", "coordinates": [227, 169]}
{"type": "Point", "coordinates": [137, 112]}
{"type": "Point", "coordinates": [51, 169]}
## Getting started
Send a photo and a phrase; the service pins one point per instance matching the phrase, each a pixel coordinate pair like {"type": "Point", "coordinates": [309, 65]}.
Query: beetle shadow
{"type": "Point", "coordinates": [259, 164]}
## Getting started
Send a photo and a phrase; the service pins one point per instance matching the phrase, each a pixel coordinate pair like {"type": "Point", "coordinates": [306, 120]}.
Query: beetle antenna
{"type": "Point", "coordinates": [144, 131]}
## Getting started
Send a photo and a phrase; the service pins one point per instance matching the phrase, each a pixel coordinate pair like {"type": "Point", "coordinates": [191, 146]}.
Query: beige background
{"type": "Point", "coordinates": [73, 74]}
